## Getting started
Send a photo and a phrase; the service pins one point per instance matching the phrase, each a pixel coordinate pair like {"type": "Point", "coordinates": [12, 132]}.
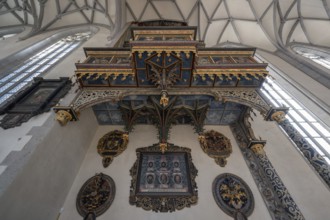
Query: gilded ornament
{"type": "Point", "coordinates": [233, 196]}
{"type": "Point", "coordinates": [111, 145]}
{"type": "Point", "coordinates": [63, 117]}
{"type": "Point", "coordinates": [278, 116]}
{"type": "Point", "coordinates": [216, 145]}
{"type": "Point", "coordinates": [163, 181]}
{"type": "Point", "coordinates": [96, 195]}
{"type": "Point", "coordinates": [164, 99]}
{"type": "Point", "coordinates": [163, 147]}
{"type": "Point", "coordinates": [258, 149]}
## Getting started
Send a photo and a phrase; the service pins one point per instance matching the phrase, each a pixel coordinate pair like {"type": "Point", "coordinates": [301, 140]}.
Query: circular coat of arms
{"type": "Point", "coordinates": [96, 195]}
{"type": "Point", "coordinates": [233, 195]}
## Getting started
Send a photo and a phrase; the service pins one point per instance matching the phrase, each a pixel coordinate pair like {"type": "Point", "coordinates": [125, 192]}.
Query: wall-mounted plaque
{"type": "Point", "coordinates": [111, 145]}
{"type": "Point", "coordinates": [36, 99]}
{"type": "Point", "coordinates": [95, 196]}
{"type": "Point", "coordinates": [233, 196]}
{"type": "Point", "coordinates": [163, 181]}
{"type": "Point", "coordinates": [216, 145]}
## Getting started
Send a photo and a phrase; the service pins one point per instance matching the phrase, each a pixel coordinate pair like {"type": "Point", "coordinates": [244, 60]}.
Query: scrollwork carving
{"type": "Point", "coordinates": [316, 160]}
{"type": "Point", "coordinates": [216, 145]}
{"type": "Point", "coordinates": [111, 145]}
{"type": "Point", "coordinates": [249, 97]}
{"type": "Point", "coordinates": [89, 97]}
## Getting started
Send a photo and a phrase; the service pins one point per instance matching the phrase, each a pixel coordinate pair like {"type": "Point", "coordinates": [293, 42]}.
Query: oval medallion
{"type": "Point", "coordinates": [96, 195]}
{"type": "Point", "coordinates": [111, 145]}
{"type": "Point", "coordinates": [233, 195]}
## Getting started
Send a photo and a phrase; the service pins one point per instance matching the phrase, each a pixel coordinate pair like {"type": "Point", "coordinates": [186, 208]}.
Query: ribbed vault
{"type": "Point", "coordinates": [267, 24]}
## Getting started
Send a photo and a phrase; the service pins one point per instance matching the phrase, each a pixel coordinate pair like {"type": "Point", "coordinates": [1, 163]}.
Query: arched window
{"type": "Point", "coordinates": [10, 32]}
{"type": "Point", "coordinates": [18, 77]}
{"type": "Point", "coordinates": [317, 55]}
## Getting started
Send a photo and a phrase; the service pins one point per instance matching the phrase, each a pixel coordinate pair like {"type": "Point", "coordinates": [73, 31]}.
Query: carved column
{"type": "Point", "coordinates": [281, 191]}
{"type": "Point", "coordinates": [316, 160]}
{"type": "Point", "coordinates": [275, 195]}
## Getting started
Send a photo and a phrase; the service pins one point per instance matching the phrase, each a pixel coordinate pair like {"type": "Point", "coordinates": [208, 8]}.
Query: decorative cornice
{"type": "Point", "coordinates": [247, 96]}
{"type": "Point", "coordinates": [91, 97]}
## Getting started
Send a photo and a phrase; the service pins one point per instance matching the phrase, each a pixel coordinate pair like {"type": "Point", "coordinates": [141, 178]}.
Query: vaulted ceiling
{"type": "Point", "coordinates": [265, 24]}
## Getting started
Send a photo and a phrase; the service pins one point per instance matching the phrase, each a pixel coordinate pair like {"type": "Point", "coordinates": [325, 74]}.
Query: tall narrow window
{"type": "Point", "coordinates": [37, 65]}
{"type": "Point", "coordinates": [318, 56]}
{"type": "Point", "coordinates": [307, 124]}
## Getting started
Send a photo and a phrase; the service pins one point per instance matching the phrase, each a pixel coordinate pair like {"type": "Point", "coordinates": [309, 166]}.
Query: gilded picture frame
{"type": "Point", "coordinates": [163, 182]}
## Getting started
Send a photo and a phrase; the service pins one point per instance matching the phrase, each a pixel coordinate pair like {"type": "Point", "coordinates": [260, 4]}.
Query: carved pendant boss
{"type": "Point", "coordinates": [233, 196]}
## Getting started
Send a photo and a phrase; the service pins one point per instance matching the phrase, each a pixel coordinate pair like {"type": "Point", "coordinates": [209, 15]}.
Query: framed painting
{"type": "Point", "coordinates": [40, 97]}
{"type": "Point", "coordinates": [163, 182]}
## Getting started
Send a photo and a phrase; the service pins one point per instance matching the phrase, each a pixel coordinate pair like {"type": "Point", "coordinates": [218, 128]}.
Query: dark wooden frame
{"type": "Point", "coordinates": [20, 109]}
{"type": "Point", "coordinates": [163, 201]}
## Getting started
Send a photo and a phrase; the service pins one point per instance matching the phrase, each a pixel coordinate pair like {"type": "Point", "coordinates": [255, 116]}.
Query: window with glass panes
{"type": "Point", "coordinates": [307, 124]}
{"type": "Point", "coordinates": [321, 57]}
{"type": "Point", "coordinates": [21, 75]}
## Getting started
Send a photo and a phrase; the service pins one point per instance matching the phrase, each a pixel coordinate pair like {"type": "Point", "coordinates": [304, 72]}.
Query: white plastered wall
{"type": "Point", "coordinates": [14, 139]}
{"type": "Point", "coordinates": [146, 135]}
{"type": "Point", "coordinates": [40, 159]}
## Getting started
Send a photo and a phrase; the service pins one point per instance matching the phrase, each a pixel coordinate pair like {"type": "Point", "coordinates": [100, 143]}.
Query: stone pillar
{"type": "Point", "coordinates": [316, 160]}
{"type": "Point", "coordinates": [281, 191]}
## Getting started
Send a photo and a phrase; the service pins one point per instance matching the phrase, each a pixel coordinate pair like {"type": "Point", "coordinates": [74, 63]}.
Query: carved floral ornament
{"type": "Point", "coordinates": [216, 145]}
{"type": "Point", "coordinates": [111, 145]}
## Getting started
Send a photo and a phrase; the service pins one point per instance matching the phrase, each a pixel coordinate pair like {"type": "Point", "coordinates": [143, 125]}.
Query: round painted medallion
{"type": "Point", "coordinates": [96, 195]}
{"type": "Point", "coordinates": [233, 195]}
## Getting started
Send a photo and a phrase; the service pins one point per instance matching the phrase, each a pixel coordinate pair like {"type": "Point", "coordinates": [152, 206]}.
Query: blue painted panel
{"type": "Point", "coordinates": [185, 78]}
{"type": "Point", "coordinates": [101, 106]}
{"type": "Point", "coordinates": [142, 77]}
{"type": "Point", "coordinates": [122, 80]}
{"type": "Point", "coordinates": [187, 62]}
{"type": "Point", "coordinates": [252, 82]}
{"type": "Point", "coordinates": [213, 117]}
{"type": "Point", "coordinates": [103, 117]}
{"type": "Point", "coordinates": [140, 61]}
{"type": "Point", "coordinates": [136, 97]}
{"type": "Point", "coordinates": [94, 81]}
{"type": "Point", "coordinates": [219, 113]}
{"type": "Point", "coordinates": [112, 105]}
{"type": "Point", "coordinates": [217, 105]}
{"type": "Point", "coordinates": [233, 106]}
{"type": "Point", "coordinates": [230, 117]}
{"type": "Point", "coordinates": [116, 118]}
{"type": "Point", "coordinates": [199, 81]}
{"type": "Point", "coordinates": [156, 60]}
{"type": "Point", "coordinates": [225, 81]}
